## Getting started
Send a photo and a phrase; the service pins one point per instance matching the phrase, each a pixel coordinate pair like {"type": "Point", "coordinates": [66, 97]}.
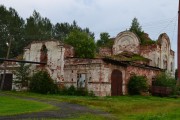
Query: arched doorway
{"type": "Point", "coordinates": [116, 83]}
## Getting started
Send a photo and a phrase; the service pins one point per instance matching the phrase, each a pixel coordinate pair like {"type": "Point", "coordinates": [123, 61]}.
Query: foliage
{"type": "Point", "coordinates": [22, 74]}
{"type": "Point", "coordinates": [62, 30]}
{"type": "Point", "coordinates": [11, 27]}
{"type": "Point", "coordinates": [137, 29]}
{"type": "Point", "coordinates": [83, 44]}
{"type": "Point", "coordinates": [14, 106]}
{"type": "Point", "coordinates": [137, 84]}
{"type": "Point", "coordinates": [38, 28]}
{"type": "Point", "coordinates": [35, 27]}
{"type": "Point", "coordinates": [72, 91]}
{"type": "Point", "coordinates": [128, 56]}
{"type": "Point", "coordinates": [42, 83]}
{"type": "Point", "coordinates": [164, 80]}
{"type": "Point", "coordinates": [176, 74]}
{"type": "Point", "coordinates": [105, 40]}
{"type": "Point", "coordinates": [135, 26]}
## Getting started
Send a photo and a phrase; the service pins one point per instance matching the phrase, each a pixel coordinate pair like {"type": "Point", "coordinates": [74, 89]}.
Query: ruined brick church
{"type": "Point", "coordinates": [107, 74]}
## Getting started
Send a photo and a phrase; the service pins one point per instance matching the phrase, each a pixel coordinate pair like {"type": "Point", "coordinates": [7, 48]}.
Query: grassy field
{"type": "Point", "coordinates": [14, 106]}
{"type": "Point", "coordinates": [123, 107]}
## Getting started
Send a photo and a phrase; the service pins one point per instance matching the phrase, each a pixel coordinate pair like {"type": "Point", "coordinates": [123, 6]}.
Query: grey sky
{"type": "Point", "coordinates": [112, 16]}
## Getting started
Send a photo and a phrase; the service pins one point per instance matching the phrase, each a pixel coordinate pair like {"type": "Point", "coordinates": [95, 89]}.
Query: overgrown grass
{"type": "Point", "coordinates": [124, 107]}
{"type": "Point", "coordinates": [14, 106]}
{"type": "Point", "coordinates": [88, 117]}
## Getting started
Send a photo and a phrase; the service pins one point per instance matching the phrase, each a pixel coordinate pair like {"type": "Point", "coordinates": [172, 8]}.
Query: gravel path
{"type": "Point", "coordinates": [65, 110]}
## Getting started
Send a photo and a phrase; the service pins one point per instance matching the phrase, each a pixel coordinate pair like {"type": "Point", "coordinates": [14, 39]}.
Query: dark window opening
{"type": "Point", "coordinates": [81, 80]}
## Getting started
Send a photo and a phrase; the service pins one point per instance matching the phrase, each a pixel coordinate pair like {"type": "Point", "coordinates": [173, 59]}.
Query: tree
{"type": "Point", "coordinates": [38, 28]}
{"type": "Point", "coordinates": [62, 30]}
{"type": "Point", "coordinates": [83, 44]}
{"type": "Point", "coordinates": [104, 39]}
{"type": "Point", "coordinates": [135, 26]}
{"type": "Point", "coordinates": [11, 27]}
{"type": "Point", "coordinates": [22, 74]}
{"type": "Point", "coordinates": [42, 83]}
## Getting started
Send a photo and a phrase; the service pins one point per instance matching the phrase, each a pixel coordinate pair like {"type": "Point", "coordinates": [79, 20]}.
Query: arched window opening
{"type": "Point", "coordinates": [165, 65]}
{"type": "Point", "coordinates": [43, 56]}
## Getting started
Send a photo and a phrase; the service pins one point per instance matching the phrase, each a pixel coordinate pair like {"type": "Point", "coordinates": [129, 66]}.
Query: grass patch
{"type": "Point", "coordinates": [14, 106]}
{"type": "Point", "coordinates": [123, 107]}
{"type": "Point", "coordinates": [88, 117]}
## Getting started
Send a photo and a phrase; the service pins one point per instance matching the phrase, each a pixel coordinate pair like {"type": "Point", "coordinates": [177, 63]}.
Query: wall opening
{"type": "Point", "coordinates": [7, 82]}
{"type": "Point", "coordinates": [81, 80]}
{"type": "Point", "coordinates": [43, 56]}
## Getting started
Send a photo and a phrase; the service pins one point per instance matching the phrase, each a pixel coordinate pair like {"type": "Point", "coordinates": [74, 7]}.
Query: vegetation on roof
{"type": "Point", "coordinates": [128, 56]}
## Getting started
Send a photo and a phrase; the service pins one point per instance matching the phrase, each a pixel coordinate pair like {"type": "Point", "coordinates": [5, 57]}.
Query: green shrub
{"type": "Point", "coordinates": [91, 93]}
{"type": "Point", "coordinates": [42, 83]}
{"type": "Point", "coordinates": [82, 92]}
{"type": "Point", "coordinates": [75, 91]}
{"type": "Point", "coordinates": [137, 84]}
{"type": "Point", "coordinates": [164, 85]}
{"type": "Point", "coordinates": [71, 90]}
{"type": "Point", "coordinates": [164, 80]}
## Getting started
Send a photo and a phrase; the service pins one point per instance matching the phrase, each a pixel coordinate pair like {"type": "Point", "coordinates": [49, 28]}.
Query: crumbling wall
{"type": "Point", "coordinates": [105, 51]}
{"type": "Point", "coordinates": [149, 73]}
{"type": "Point", "coordinates": [69, 51]}
{"type": "Point", "coordinates": [97, 76]}
{"type": "Point", "coordinates": [126, 41]}
{"type": "Point", "coordinates": [11, 67]}
{"type": "Point", "coordinates": [151, 52]}
{"type": "Point", "coordinates": [54, 56]}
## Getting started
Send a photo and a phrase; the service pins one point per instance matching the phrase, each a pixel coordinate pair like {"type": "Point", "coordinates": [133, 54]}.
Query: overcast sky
{"type": "Point", "coordinates": [112, 16]}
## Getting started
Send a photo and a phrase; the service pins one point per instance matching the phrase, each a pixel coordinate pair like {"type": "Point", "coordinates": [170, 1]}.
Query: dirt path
{"type": "Point", "coordinates": [65, 110]}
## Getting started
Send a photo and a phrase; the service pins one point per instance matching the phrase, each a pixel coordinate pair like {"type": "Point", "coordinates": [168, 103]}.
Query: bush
{"type": "Point", "coordinates": [164, 80]}
{"type": "Point", "coordinates": [42, 83]}
{"type": "Point", "coordinates": [137, 84]}
{"type": "Point", "coordinates": [72, 91]}
{"type": "Point", "coordinates": [82, 92]}
{"type": "Point", "coordinates": [164, 85]}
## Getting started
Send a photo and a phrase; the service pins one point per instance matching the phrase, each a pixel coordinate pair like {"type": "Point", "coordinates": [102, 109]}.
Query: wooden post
{"type": "Point", "coordinates": [5, 64]}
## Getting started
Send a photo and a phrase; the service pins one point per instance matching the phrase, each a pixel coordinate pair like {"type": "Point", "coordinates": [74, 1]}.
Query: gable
{"type": "Point", "coordinates": [164, 42]}
{"type": "Point", "coordinates": [126, 41]}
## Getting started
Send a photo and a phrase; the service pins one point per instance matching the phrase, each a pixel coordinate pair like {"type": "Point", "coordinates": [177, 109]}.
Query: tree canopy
{"type": "Point", "coordinates": [135, 26]}
{"type": "Point", "coordinates": [11, 27]}
{"type": "Point", "coordinates": [35, 28]}
{"type": "Point", "coordinates": [104, 40]}
{"type": "Point", "coordinates": [38, 28]}
{"type": "Point", "coordinates": [83, 44]}
{"type": "Point", "coordinates": [137, 29]}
